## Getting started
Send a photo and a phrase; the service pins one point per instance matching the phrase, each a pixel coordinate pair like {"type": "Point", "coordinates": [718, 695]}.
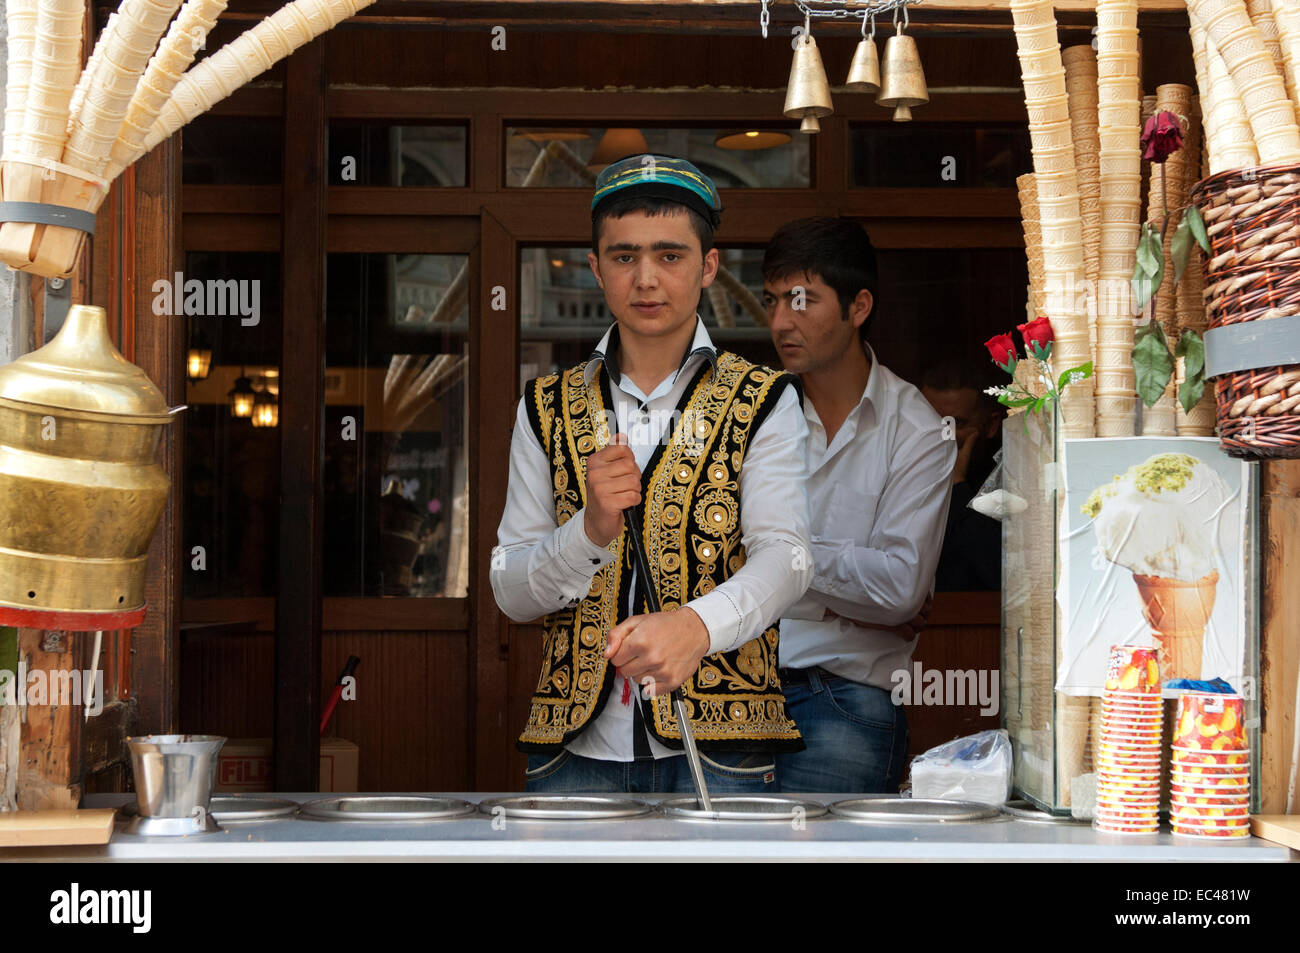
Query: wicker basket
{"type": "Point", "coordinates": [1252, 217]}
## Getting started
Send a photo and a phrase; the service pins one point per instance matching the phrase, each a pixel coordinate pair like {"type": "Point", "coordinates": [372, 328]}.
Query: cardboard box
{"type": "Point", "coordinates": [244, 766]}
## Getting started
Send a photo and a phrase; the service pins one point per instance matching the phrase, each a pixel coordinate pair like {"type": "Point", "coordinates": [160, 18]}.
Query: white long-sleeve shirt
{"type": "Point", "coordinates": [538, 567]}
{"type": "Point", "coordinates": [879, 497]}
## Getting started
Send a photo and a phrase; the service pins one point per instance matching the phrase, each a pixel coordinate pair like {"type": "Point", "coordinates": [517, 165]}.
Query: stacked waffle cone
{"type": "Point", "coordinates": [69, 132]}
{"type": "Point", "coordinates": [1046, 100]}
{"type": "Point", "coordinates": [1120, 162]}
{"type": "Point", "coordinates": [1245, 90]}
{"type": "Point", "coordinates": [1081, 86]}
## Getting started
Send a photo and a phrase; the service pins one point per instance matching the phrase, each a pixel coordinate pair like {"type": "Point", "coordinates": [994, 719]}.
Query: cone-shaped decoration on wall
{"type": "Point", "coordinates": [902, 79]}
{"type": "Point", "coordinates": [864, 71]}
{"type": "Point", "coordinates": [808, 94]}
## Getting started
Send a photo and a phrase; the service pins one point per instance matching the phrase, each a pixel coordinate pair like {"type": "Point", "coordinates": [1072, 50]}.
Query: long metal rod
{"type": "Point", "coordinates": [632, 515]}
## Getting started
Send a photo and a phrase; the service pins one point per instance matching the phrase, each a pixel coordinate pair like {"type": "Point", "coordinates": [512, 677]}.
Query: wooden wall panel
{"type": "Point", "coordinates": [955, 647]}
{"type": "Point", "coordinates": [410, 717]}
{"type": "Point", "coordinates": [443, 58]}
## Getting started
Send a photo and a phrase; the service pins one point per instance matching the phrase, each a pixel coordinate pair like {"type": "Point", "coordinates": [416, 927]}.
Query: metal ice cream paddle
{"type": "Point", "coordinates": [632, 516]}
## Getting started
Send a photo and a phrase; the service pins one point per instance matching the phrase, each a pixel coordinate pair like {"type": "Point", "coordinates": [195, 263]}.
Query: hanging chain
{"type": "Point", "coordinates": [839, 9]}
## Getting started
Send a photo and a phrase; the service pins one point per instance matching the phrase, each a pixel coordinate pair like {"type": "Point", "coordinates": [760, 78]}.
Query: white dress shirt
{"type": "Point", "coordinates": [879, 502]}
{"type": "Point", "coordinates": [538, 568]}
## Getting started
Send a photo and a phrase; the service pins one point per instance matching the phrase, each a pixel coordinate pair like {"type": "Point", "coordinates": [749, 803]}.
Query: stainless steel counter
{"type": "Point", "coordinates": [649, 838]}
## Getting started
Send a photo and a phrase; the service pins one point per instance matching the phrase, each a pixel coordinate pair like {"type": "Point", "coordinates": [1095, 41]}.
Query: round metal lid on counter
{"type": "Point", "coordinates": [906, 810]}
{"type": "Point", "coordinates": [564, 807]}
{"type": "Point", "coordinates": [405, 807]}
{"type": "Point", "coordinates": [1024, 811]}
{"type": "Point", "coordinates": [743, 807]}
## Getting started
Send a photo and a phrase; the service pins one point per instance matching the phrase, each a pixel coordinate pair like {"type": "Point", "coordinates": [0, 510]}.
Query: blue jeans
{"type": "Point", "coordinates": [856, 737]}
{"type": "Point", "coordinates": [730, 773]}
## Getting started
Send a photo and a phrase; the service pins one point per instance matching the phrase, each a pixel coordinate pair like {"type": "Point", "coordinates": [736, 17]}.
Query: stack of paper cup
{"type": "Point", "coordinates": [1209, 789]}
{"type": "Point", "coordinates": [1127, 752]}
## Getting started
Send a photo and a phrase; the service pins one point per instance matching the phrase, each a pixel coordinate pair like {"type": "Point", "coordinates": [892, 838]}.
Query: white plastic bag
{"type": "Point", "coordinates": [975, 768]}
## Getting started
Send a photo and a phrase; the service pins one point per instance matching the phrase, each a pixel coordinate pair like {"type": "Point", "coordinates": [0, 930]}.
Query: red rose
{"type": "Point", "coordinates": [1003, 351]}
{"type": "Point", "coordinates": [1038, 337]}
{"type": "Point", "coordinates": [1162, 136]}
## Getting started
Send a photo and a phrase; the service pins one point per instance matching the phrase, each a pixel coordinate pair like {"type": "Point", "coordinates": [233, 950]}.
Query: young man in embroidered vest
{"type": "Point", "coordinates": [711, 450]}
{"type": "Point", "coordinates": [880, 472]}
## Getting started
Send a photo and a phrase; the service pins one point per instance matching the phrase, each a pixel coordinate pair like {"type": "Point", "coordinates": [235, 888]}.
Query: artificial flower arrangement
{"type": "Point", "coordinates": [1153, 360]}
{"type": "Point", "coordinates": [1038, 348]}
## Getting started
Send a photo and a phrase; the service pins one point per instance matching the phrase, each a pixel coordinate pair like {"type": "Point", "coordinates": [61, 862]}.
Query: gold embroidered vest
{"type": "Point", "coordinates": [691, 509]}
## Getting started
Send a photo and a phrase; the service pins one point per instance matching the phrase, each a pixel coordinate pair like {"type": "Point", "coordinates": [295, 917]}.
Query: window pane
{"type": "Point", "coordinates": [539, 157]}
{"type": "Point", "coordinates": [374, 153]}
{"type": "Point", "coordinates": [939, 155]}
{"type": "Point", "coordinates": [396, 375]}
{"type": "Point", "coordinates": [232, 150]}
{"type": "Point", "coordinates": [232, 468]}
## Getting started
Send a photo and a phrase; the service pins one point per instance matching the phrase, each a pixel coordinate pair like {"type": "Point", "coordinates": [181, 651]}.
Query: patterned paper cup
{"type": "Point", "coordinates": [1214, 833]}
{"type": "Point", "coordinates": [1184, 755]}
{"type": "Point", "coordinates": [1130, 818]}
{"type": "Point", "coordinates": [1131, 736]}
{"type": "Point", "coordinates": [1127, 827]}
{"type": "Point", "coordinates": [1130, 748]}
{"type": "Point", "coordinates": [1211, 722]}
{"type": "Point", "coordinates": [1125, 810]}
{"type": "Point", "coordinates": [1151, 822]}
{"type": "Point", "coordinates": [1202, 786]}
{"type": "Point", "coordinates": [1195, 812]}
{"type": "Point", "coordinates": [1133, 668]}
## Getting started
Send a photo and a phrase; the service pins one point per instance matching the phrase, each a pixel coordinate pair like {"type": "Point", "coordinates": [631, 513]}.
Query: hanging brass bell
{"type": "Point", "coordinates": [902, 79]}
{"type": "Point", "coordinates": [864, 71]}
{"type": "Point", "coordinates": [808, 94]}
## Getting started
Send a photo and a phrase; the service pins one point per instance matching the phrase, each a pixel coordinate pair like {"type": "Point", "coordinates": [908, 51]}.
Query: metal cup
{"type": "Point", "coordinates": [174, 775]}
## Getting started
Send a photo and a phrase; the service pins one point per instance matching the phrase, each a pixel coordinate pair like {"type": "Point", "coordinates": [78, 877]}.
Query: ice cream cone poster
{"type": "Point", "coordinates": [1154, 550]}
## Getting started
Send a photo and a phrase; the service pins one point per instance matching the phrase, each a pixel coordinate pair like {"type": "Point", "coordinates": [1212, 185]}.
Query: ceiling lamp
{"type": "Point", "coordinates": [746, 139]}
{"type": "Point", "coordinates": [266, 410]}
{"type": "Point", "coordinates": [241, 397]}
{"type": "Point", "coordinates": [617, 144]}
{"type": "Point", "coordinates": [198, 359]}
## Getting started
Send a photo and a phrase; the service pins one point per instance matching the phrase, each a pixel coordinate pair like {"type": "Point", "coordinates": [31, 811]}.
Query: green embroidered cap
{"type": "Point", "coordinates": [662, 177]}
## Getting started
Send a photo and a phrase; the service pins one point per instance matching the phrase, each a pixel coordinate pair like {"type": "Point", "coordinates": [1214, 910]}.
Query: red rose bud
{"type": "Point", "coordinates": [1038, 337]}
{"type": "Point", "coordinates": [1002, 348]}
{"type": "Point", "coordinates": [1162, 136]}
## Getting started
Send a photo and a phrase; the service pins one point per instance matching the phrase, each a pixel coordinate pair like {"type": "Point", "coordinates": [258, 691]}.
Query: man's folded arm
{"type": "Point", "coordinates": [884, 583]}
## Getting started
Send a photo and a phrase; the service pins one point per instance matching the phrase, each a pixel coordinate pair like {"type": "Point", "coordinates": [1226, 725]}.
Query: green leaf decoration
{"type": "Point", "coordinates": [1192, 350]}
{"type": "Point", "coordinates": [1149, 251]}
{"type": "Point", "coordinates": [1197, 225]}
{"type": "Point", "coordinates": [1180, 248]}
{"type": "Point", "coordinates": [1150, 268]}
{"type": "Point", "coordinates": [1153, 364]}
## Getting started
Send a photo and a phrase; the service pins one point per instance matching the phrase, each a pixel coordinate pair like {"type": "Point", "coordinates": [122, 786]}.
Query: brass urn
{"type": "Point", "coordinates": [81, 491]}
